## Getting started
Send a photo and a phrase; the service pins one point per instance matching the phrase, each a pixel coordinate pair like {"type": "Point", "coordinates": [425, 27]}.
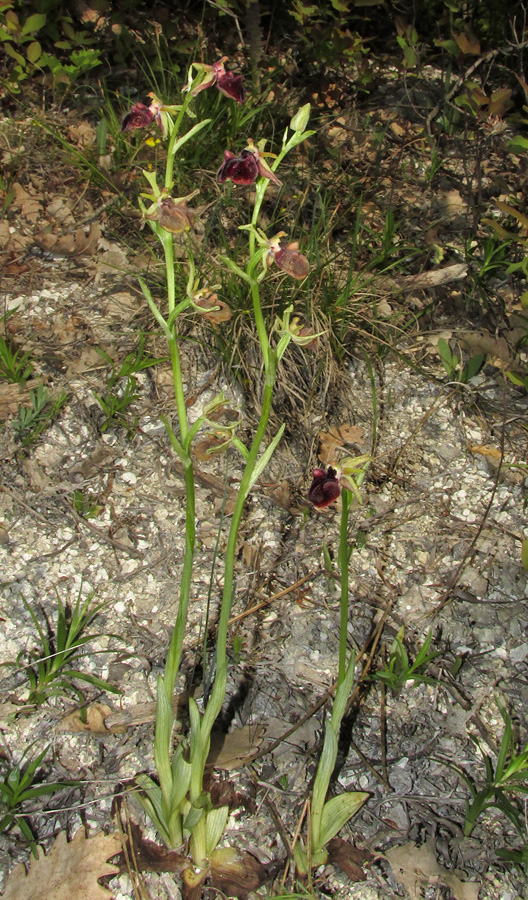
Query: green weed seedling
{"type": "Point", "coordinates": [456, 371]}
{"type": "Point", "coordinates": [121, 387]}
{"type": "Point", "coordinates": [33, 420]}
{"type": "Point", "coordinates": [115, 407]}
{"type": "Point", "coordinates": [510, 776]}
{"type": "Point", "coordinates": [399, 669]}
{"type": "Point", "coordinates": [48, 667]}
{"type": "Point", "coordinates": [15, 366]}
{"type": "Point", "coordinates": [133, 363]}
{"type": "Point", "coordinates": [85, 506]}
{"type": "Point", "coordinates": [17, 784]}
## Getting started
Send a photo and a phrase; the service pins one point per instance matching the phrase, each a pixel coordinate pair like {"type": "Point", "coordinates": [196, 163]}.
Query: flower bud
{"type": "Point", "coordinates": [300, 119]}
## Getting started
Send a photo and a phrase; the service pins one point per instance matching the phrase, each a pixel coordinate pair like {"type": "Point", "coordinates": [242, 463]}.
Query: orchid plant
{"type": "Point", "coordinates": [177, 804]}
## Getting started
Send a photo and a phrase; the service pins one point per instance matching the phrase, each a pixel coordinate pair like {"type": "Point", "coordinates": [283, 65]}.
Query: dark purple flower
{"type": "Point", "coordinates": [231, 86]}
{"type": "Point", "coordinates": [241, 169]}
{"type": "Point", "coordinates": [141, 116]}
{"type": "Point", "coordinates": [324, 488]}
{"type": "Point", "coordinates": [245, 169]}
{"type": "Point", "coordinates": [228, 84]}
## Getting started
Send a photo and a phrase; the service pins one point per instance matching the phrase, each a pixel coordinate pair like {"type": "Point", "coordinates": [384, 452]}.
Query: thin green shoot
{"type": "Point", "coordinates": [47, 667]}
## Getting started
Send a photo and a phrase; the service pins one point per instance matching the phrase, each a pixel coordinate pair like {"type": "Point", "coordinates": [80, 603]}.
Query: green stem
{"type": "Point", "coordinates": [172, 664]}
{"type": "Point", "coordinates": [169, 169]}
{"type": "Point", "coordinates": [343, 559]}
{"type": "Point", "coordinates": [218, 693]}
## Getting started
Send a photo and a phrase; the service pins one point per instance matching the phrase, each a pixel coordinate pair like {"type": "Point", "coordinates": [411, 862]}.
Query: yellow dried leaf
{"type": "Point", "coordinates": [70, 871]}
{"type": "Point", "coordinates": [484, 450]}
{"type": "Point", "coordinates": [95, 717]}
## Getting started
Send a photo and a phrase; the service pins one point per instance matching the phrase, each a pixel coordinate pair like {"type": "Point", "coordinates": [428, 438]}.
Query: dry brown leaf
{"type": "Point", "coordinates": [211, 446]}
{"type": "Point", "coordinates": [29, 205]}
{"type": "Point", "coordinates": [452, 204]}
{"type": "Point", "coordinates": [349, 859]}
{"type": "Point", "coordinates": [151, 857]}
{"type": "Point", "coordinates": [95, 716]}
{"type": "Point", "coordinates": [231, 751]}
{"type": "Point", "coordinates": [340, 437]}
{"type": "Point", "coordinates": [73, 245]}
{"type": "Point", "coordinates": [82, 134]}
{"type": "Point", "coordinates": [468, 44]}
{"type": "Point", "coordinates": [12, 397]}
{"type": "Point", "coordinates": [416, 868]}
{"type": "Point", "coordinates": [484, 450]}
{"type": "Point", "coordinates": [70, 871]}
{"type": "Point", "coordinates": [89, 359]}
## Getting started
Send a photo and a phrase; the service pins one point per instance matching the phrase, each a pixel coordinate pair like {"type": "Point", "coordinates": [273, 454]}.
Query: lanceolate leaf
{"type": "Point", "coordinates": [338, 811]}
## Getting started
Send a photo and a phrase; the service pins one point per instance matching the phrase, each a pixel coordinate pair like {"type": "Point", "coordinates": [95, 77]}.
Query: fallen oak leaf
{"type": "Point", "coordinates": [70, 871]}
{"type": "Point", "coordinates": [231, 751]}
{"type": "Point", "coordinates": [339, 437]}
{"type": "Point", "coordinates": [416, 868]}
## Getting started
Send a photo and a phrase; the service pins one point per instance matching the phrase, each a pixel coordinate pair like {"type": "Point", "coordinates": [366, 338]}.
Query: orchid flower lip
{"type": "Point", "coordinates": [324, 488]}
{"type": "Point", "coordinates": [242, 170]}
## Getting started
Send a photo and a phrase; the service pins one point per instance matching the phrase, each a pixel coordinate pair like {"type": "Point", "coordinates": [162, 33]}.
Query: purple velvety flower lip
{"type": "Point", "coordinates": [139, 116]}
{"type": "Point", "coordinates": [324, 488]}
{"type": "Point", "coordinates": [241, 169]}
{"type": "Point", "coordinates": [231, 86]}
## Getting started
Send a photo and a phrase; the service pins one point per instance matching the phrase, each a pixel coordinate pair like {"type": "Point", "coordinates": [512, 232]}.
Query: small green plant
{"type": "Point", "coordinates": [399, 669]}
{"type": "Point", "coordinates": [121, 387]}
{"type": "Point", "coordinates": [33, 420]}
{"type": "Point", "coordinates": [20, 44]}
{"type": "Point", "coordinates": [48, 666]}
{"type": "Point", "coordinates": [85, 506]}
{"type": "Point", "coordinates": [15, 366]}
{"type": "Point", "coordinates": [17, 784]}
{"type": "Point", "coordinates": [456, 371]}
{"type": "Point", "coordinates": [133, 362]}
{"type": "Point", "coordinates": [509, 778]}
{"type": "Point", "coordinates": [115, 407]}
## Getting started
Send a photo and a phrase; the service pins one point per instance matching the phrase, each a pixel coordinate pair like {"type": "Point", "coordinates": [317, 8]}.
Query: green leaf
{"type": "Point", "coordinates": [162, 739]}
{"type": "Point", "coordinates": [34, 23]}
{"type": "Point", "coordinates": [34, 52]}
{"type": "Point", "coordinates": [473, 366]}
{"type": "Point", "coordinates": [10, 50]}
{"type": "Point", "coordinates": [320, 788]}
{"type": "Point", "coordinates": [181, 778]}
{"type": "Point", "coordinates": [518, 144]}
{"type": "Point", "coordinates": [261, 463]}
{"type": "Point", "coordinates": [338, 811]}
{"type": "Point", "coordinates": [215, 827]}
{"type": "Point", "coordinates": [524, 554]}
